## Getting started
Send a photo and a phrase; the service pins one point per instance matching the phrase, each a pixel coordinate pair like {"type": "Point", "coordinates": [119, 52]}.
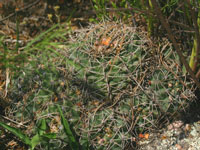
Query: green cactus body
{"type": "Point", "coordinates": [109, 70]}
{"type": "Point", "coordinates": [144, 79]}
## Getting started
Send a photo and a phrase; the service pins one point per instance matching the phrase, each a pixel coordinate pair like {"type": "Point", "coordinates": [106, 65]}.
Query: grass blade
{"type": "Point", "coordinates": [72, 140]}
{"type": "Point", "coordinates": [42, 128]}
{"type": "Point", "coordinates": [38, 38]}
{"type": "Point", "coordinates": [49, 135]}
{"type": "Point", "coordinates": [35, 141]}
{"type": "Point", "coordinates": [23, 137]}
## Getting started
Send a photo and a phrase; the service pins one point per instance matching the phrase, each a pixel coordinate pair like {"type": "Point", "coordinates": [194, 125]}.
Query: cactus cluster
{"type": "Point", "coordinates": [137, 81]}
{"type": "Point", "coordinates": [112, 81]}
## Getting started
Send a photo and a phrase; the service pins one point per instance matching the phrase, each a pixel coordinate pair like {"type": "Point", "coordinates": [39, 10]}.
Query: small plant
{"type": "Point", "coordinates": [42, 82]}
{"type": "Point", "coordinates": [11, 60]}
{"type": "Point", "coordinates": [40, 137]}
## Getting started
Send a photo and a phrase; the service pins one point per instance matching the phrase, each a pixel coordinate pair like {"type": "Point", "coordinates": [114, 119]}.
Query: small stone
{"type": "Point", "coordinates": [175, 125]}
{"type": "Point", "coordinates": [179, 147]}
{"type": "Point", "coordinates": [194, 133]}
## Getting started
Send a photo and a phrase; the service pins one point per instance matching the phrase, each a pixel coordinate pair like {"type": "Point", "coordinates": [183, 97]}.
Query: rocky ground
{"type": "Point", "coordinates": [176, 137]}
{"type": "Point", "coordinates": [183, 134]}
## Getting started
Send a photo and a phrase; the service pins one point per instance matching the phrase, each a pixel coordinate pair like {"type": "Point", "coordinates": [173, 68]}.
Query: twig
{"type": "Point", "coordinates": [181, 24]}
{"type": "Point", "coordinates": [129, 9]}
{"type": "Point", "coordinates": [22, 9]}
{"type": "Point", "coordinates": [19, 124]}
{"type": "Point", "coordinates": [198, 74]}
{"type": "Point", "coordinates": [7, 82]}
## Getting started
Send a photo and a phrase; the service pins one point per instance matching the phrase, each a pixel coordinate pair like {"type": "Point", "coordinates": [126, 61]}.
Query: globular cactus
{"type": "Point", "coordinates": [111, 55]}
{"type": "Point", "coordinates": [138, 82]}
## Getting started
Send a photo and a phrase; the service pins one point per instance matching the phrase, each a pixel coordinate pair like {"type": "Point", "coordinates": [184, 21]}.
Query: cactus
{"type": "Point", "coordinates": [129, 75]}
{"type": "Point", "coordinates": [110, 60]}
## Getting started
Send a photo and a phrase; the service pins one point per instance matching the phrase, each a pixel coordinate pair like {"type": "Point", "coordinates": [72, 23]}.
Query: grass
{"type": "Point", "coordinates": [36, 82]}
{"type": "Point", "coordinates": [42, 136]}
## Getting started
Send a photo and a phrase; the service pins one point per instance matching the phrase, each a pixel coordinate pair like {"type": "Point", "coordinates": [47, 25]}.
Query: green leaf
{"type": "Point", "coordinates": [113, 4]}
{"type": "Point", "coordinates": [50, 135]}
{"type": "Point", "coordinates": [42, 127]}
{"type": "Point", "coordinates": [23, 137]}
{"type": "Point", "coordinates": [72, 140]}
{"type": "Point", "coordinates": [35, 141]}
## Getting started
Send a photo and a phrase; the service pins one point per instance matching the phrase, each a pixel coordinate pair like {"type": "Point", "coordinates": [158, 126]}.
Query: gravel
{"type": "Point", "coordinates": [177, 136]}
